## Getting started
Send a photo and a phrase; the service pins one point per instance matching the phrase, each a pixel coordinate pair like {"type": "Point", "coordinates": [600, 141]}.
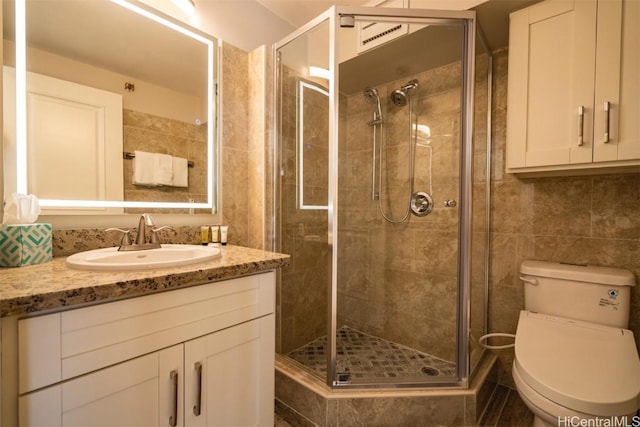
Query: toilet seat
{"type": "Point", "coordinates": [543, 408]}
{"type": "Point", "coordinates": [582, 366]}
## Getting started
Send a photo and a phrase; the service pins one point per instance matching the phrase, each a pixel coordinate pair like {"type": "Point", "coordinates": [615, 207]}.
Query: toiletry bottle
{"type": "Point", "coordinates": [224, 229]}
{"type": "Point", "coordinates": [204, 235]}
{"type": "Point", "coordinates": [214, 233]}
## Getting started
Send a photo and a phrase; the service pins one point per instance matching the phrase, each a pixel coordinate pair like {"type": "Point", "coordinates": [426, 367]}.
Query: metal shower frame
{"type": "Point", "coordinates": [467, 21]}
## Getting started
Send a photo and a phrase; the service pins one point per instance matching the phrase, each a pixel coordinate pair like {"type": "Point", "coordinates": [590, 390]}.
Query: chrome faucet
{"type": "Point", "coordinates": [145, 221]}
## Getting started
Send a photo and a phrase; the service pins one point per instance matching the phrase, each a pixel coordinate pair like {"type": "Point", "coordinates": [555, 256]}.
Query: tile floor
{"type": "Point", "coordinates": [506, 409]}
{"type": "Point", "coordinates": [364, 356]}
{"type": "Point", "coordinates": [279, 422]}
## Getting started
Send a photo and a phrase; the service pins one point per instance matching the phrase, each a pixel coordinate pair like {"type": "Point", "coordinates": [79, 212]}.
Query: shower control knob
{"type": "Point", "coordinates": [450, 203]}
{"type": "Point", "coordinates": [421, 204]}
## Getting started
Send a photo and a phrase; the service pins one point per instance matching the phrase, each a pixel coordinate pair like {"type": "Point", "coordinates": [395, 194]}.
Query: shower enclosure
{"type": "Point", "coordinates": [381, 197]}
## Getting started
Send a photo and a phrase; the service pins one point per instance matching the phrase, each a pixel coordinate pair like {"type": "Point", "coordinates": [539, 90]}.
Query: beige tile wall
{"type": "Point", "coordinates": [247, 127]}
{"type": "Point", "coordinates": [255, 197]}
{"type": "Point", "coordinates": [398, 281]}
{"type": "Point", "coordinates": [235, 148]}
{"type": "Point", "coordinates": [589, 219]}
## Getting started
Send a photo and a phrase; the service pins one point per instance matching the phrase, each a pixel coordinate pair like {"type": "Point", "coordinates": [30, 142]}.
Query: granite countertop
{"type": "Point", "coordinates": [53, 285]}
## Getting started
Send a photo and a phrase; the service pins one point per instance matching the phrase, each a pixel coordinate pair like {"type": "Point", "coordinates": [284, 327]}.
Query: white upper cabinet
{"type": "Point", "coordinates": [573, 94]}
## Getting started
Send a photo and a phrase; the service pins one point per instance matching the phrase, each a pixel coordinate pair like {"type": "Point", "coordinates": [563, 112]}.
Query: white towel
{"type": "Point", "coordinates": [163, 172]}
{"type": "Point", "coordinates": [144, 165]}
{"type": "Point", "coordinates": [180, 172]}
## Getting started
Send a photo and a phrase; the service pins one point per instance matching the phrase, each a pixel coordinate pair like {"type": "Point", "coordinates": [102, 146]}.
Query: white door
{"type": "Point", "coordinates": [74, 141]}
{"type": "Point", "coordinates": [139, 392]}
{"type": "Point", "coordinates": [233, 385]}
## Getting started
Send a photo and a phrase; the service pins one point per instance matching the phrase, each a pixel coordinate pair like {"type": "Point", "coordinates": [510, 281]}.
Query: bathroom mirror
{"type": "Point", "coordinates": [165, 74]}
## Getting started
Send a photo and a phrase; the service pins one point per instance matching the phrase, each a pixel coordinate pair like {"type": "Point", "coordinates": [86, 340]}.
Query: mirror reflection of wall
{"type": "Point", "coordinates": [313, 145]}
{"type": "Point", "coordinates": [162, 74]}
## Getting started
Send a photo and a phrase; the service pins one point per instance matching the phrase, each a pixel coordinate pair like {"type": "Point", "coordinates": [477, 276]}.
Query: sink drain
{"type": "Point", "coordinates": [432, 372]}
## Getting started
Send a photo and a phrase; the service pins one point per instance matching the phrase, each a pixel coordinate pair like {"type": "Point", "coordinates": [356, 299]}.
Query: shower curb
{"type": "Point", "coordinates": [304, 398]}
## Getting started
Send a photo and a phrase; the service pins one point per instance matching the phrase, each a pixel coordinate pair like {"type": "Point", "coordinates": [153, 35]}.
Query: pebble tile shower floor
{"type": "Point", "coordinates": [365, 357]}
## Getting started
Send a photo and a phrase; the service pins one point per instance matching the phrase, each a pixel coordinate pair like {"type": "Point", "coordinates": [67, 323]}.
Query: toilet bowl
{"type": "Point", "coordinates": [566, 369]}
{"type": "Point", "coordinates": [575, 360]}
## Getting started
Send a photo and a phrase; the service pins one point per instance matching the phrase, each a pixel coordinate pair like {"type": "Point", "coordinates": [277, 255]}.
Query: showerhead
{"type": "Point", "coordinates": [401, 96]}
{"type": "Point", "coordinates": [371, 96]}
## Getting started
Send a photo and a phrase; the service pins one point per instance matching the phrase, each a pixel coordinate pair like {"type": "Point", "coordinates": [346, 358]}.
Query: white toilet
{"type": "Point", "coordinates": [574, 358]}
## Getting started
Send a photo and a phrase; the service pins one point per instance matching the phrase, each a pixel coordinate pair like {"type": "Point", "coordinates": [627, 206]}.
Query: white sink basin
{"type": "Point", "coordinates": [109, 259]}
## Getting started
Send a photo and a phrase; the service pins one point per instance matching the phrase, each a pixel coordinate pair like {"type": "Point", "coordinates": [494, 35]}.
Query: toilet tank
{"type": "Point", "coordinates": [593, 294]}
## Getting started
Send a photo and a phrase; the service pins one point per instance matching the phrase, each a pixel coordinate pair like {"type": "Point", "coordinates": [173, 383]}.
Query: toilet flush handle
{"type": "Point", "coordinates": [528, 280]}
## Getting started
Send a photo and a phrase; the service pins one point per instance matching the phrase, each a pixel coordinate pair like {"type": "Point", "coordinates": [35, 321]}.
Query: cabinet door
{"type": "Point", "coordinates": [551, 75]}
{"type": "Point", "coordinates": [233, 385]}
{"type": "Point", "coordinates": [617, 131]}
{"type": "Point", "coordinates": [139, 392]}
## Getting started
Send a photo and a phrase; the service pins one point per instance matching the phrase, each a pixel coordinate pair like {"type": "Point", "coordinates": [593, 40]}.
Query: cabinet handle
{"type": "Point", "coordinates": [197, 407]}
{"type": "Point", "coordinates": [607, 107]}
{"type": "Point", "coordinates": [173, 419]}
{"type": "Point", "coordinates": [580, 125]}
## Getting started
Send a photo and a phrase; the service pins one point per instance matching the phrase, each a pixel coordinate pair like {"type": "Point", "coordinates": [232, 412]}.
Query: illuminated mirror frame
{"type": "Point", "coordinates": [21, 118]}
{"type": "Point", "coordinates": [302, 85]}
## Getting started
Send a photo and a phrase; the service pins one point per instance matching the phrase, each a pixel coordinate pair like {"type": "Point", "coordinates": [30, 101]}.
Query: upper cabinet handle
{"type": "Point", "coordinates": [607, 108]}
{"type": "Point", "coordinates": [580, 125]}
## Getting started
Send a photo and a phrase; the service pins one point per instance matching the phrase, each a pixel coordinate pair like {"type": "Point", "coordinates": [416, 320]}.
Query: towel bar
{"type": "Point", "coordinates": [128, 156]}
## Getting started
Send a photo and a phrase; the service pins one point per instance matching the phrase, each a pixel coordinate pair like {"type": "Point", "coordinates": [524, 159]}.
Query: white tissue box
{"type": "Point", "coordinates": [25, 244]}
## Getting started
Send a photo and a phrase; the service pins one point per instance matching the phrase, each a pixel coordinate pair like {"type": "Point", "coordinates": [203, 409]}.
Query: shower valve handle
{"type": "Point", "coordinates": [421, 203]}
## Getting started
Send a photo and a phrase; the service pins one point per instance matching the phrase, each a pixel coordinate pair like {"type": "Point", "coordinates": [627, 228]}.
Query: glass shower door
{"type": "Point", "coordinates": [405, 92]}
{"type": "Point", "coordinates": [303, 108]}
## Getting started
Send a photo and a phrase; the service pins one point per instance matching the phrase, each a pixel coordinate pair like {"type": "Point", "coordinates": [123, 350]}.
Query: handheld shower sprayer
{"type": "Point", "coordinates": [371, 96]}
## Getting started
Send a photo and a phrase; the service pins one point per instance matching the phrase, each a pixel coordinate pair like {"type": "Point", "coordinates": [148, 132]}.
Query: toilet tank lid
{"type": "Point", "coordinates": [580, 273]}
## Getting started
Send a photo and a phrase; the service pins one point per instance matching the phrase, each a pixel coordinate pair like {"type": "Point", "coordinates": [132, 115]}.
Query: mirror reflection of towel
{"type": "Point", "coordinates": [154, 169]}
{"type": "Point", "coordinates": [180, 172]}
{"type": "Point", "coordinates": [144, 168]}
{"type": "Point", "coordinates": [163, 171]}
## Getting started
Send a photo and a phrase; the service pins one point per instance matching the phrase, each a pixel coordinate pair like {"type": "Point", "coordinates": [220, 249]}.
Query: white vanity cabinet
{"type": "Point", "coordinates": [137, 392]}
{"type": "Point", "coordinates": [199, 356]}
{"type": "Point", "coordinates": [573, 90]}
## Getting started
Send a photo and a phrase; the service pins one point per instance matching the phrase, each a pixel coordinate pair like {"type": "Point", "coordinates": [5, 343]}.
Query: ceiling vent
{"type": "Point", "coordinates": [372, 34]}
